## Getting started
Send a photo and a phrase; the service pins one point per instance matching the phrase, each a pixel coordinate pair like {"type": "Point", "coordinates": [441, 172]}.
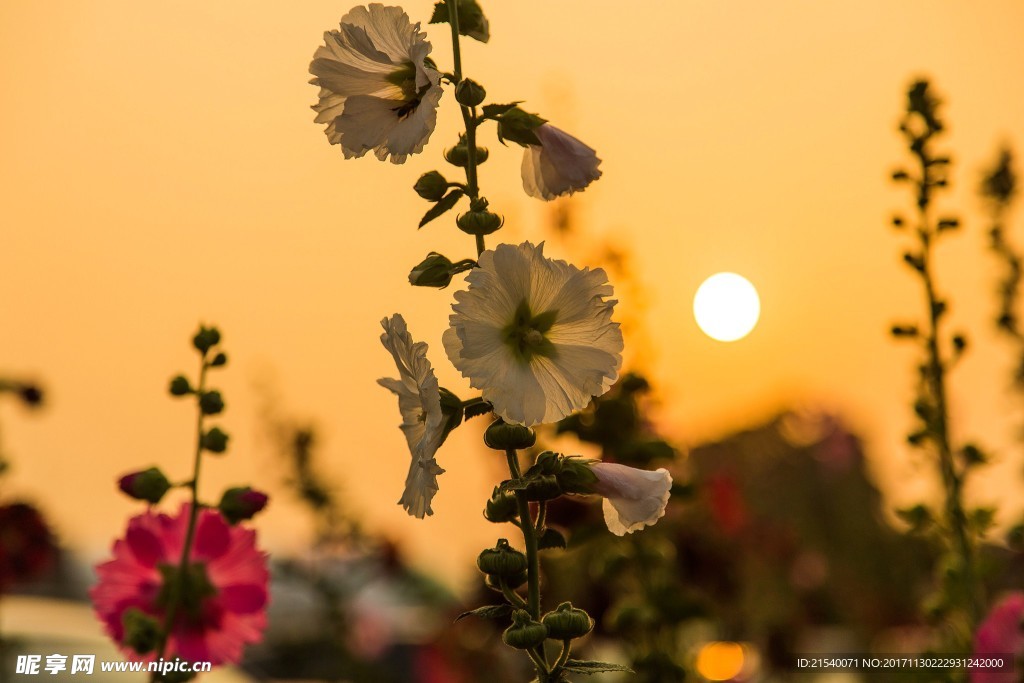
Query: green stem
{"type": "Point", "coordinates": [193, 485]}
{"type": "Point", "coordinates": [533, 561]}
{"type": "Point", "coordinates": [468, 116]}
{"type": "Point", "coordinates": [564, 656]}
{"type": "Point", "coordinates": [936, 375]}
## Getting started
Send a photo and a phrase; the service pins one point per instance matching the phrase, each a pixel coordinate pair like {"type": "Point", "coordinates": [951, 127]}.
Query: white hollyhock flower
{"type": "Point", "coordinates": [378, 90]}
{"type": "Point", "coordinates": [423, 421]}
{"type": "Point", "coordinates": [633, 498]}
{"type": "Point", "coordinates": [534, 335]}
{"type": "Point", "coordinates": [560, 165]}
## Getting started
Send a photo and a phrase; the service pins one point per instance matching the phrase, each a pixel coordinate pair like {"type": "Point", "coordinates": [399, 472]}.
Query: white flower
{"type": "Point", "coordinates": [633, 498]}
{"type": "Point", "coordinates": [378, 90]}
{"type": "Point", "coordinates": [534, 335]}
{"type": "Point", "coordinates": [419, 401]}
{"type": "Point", "coordinates": [560, 165]}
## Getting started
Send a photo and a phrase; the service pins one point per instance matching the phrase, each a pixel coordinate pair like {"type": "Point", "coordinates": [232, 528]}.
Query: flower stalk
{"type": "Point", "coordinates": [469, 117]}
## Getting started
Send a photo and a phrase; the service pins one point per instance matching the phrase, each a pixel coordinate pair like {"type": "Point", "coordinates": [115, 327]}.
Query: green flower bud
{"type": "Point", "coordinates": [524, 632]}
{"type": "Point", "coordinates": [219, 360]}
{"type": "Point", "coordinates": [567, 622]}
{"type": "Point", "coordinates": [544, 487]}
{"type": "Point", "coordinates": [517, 125]}
{"type": "Point", "coordinates": [502, 560]}
{"type": "Point", "coordinates": [241, 503]}
{"type": "Point", "coordinates": [502, 436]}
{"type": "Point", "coordinates": [502, 507]}
{"type": "Point", "coordinates": [180, 386]}
{"type": "Point", "coordinates": [512, 582]}
{"type": "Point", "coordinates": [431, 186]}
{"type": "Point", "coordinates": [433, 271]}
{"type": "Point", "coordinates": [211, 403]}
{"type": "Point", "coordinates": [457, 155]}
{"type": "Point", "coordinates": [215, 440]}
{"type": "Point", "coordinates": [479, 222]}
{"type": "Point", "coordinates": [148, 485]}
{"type": "Point", "coordinates": [469, 93]}
{"type": "Point", "coordinates": [206, 338]}
{"type": "Point", "coordinates": [141, 631]}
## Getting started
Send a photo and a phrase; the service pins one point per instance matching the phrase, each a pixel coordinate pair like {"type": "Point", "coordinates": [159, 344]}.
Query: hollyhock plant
{"type": "Point", "coordinates": [535, 335]}
{"type": "Point", "coordinates": [560, 165]}
{"type": "Point", "coordinates": [378, 90]}
{"type": "Point", "coordinates": [423, 421]}
{"type": "Point", "coordinates": [223, 600]}
{"type": "Point", "coordinates": [1001, 633]}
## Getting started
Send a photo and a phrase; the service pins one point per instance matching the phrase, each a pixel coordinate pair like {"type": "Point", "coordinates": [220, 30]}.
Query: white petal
{"type": "Point", "coordinates": [365, 124]}
{"type": "Point", "coordinates": [410, 134]}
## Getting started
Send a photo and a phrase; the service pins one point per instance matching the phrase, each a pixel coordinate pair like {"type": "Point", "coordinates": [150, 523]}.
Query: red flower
{"type": "Point", "coordinates": [1001, 633]}
{"type": "Point", "coordinates": [223, 593]}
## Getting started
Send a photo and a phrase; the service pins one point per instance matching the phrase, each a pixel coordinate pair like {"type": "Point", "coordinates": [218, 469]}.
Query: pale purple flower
{"type": "Point", "coordinates": [560, 165]}
{"type": "Point", "coordinates": [633, 498]}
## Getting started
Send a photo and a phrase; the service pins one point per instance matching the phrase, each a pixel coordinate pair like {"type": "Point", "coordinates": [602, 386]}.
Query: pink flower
{"type": "Point", "coordinates": [1002, 632]}
{"type": "Point", "coordinates": [560, 165]}
{"type": "Point", "coordinates": [224, 601]}
{"type": "Point", "coordinates": [633, 498]}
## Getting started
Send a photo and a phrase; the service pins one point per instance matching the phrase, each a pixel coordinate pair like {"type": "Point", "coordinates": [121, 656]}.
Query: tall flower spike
{"type": "Point", "coordinates": [423, 421]}
{"type": "Point", "coordinates": [378, 90]}
{"type": "Point", "coordinates": [560, 165]}
{"type": "Point", "coordinates": [535, 335]}
{"type": "Point", "coordinates": [633, 498]}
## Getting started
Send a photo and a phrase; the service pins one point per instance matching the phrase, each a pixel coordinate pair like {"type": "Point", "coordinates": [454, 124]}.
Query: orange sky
{"type": "Point", "coordinates": [160, 167]}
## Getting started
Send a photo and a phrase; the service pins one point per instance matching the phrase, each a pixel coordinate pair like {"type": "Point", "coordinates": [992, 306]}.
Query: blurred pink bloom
{"type": "Point", "coordinates": [633, 498]}
{"type": "Point", "coordinates": [1002, 632]}
{"type": "Point", "coordinates": [560, 165]}
{"type": "Point", "coordinates": [225, 605]}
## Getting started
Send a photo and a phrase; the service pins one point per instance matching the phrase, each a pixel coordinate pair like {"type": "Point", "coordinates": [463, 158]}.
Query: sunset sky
{"type": "Point", "coordinates": [159, 166]}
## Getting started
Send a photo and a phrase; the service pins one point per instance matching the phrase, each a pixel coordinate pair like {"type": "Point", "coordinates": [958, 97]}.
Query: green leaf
{"type": "Point", "coordinates": [493, 111]}
{"type": "Point", "coordinates": [472, 22]}
{"type": "Point", "coordinates": [579, 666]}
{"type": "Point", "coordinates": [445, 204]}
{"type": "Point", "coordinates": [487, 612]}
{"type": "Point", "coordinates": [478, 409]}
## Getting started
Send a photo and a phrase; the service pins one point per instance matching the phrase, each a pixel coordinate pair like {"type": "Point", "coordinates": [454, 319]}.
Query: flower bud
{"type": "Point", "coordinates": [211, 403]}
{"type": "Point", "coordinates": [431, 186]}
{"type": "Point", "coordinates": [215, 440]}
{"type": "Point", "coordinates": [31, 395]}
{"type": "Point", "coordinates": [219, 360]}
{"type": "Point", "coordinates": [141, 631]}
{"type": "Point", "coordinates": [148, 485]}
{"type": "Point", "coordinates": [241, 503]}
{"type": "Point", "coordinates": [524, 632]}
{"type": "Point", "coordinates": [469, 93]}
{"type": "Point", "coordinates": [502, 507]}
{"type": "Point", "coordinates": [180, 386]}
{"type": "Point", "coordinates": [567, 622]}
{"type": "Point", "coordinates": [544, 487]}
{"type": "Point", "coordinates": [512, 582]}
{"type": "Point", "coordinates": [502, 560]}
{"type": "Point", "coordinates": [479, 222]}
{"type": "Point", "coordinates": [502, 436]}
{"type": "Point", "coordinates": [206, 338]}
{"type": "Point", "coordinates": [433, 271]}
{"type": "Point", "coordinates": [457, 155]}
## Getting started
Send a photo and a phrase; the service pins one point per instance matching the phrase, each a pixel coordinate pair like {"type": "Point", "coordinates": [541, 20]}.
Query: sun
{"type": "Point", "coordinates": [726, 307]}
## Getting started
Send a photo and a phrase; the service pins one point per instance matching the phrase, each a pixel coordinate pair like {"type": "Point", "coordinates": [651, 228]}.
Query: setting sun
{"type": "Point", "coordinates": [726, 307]}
